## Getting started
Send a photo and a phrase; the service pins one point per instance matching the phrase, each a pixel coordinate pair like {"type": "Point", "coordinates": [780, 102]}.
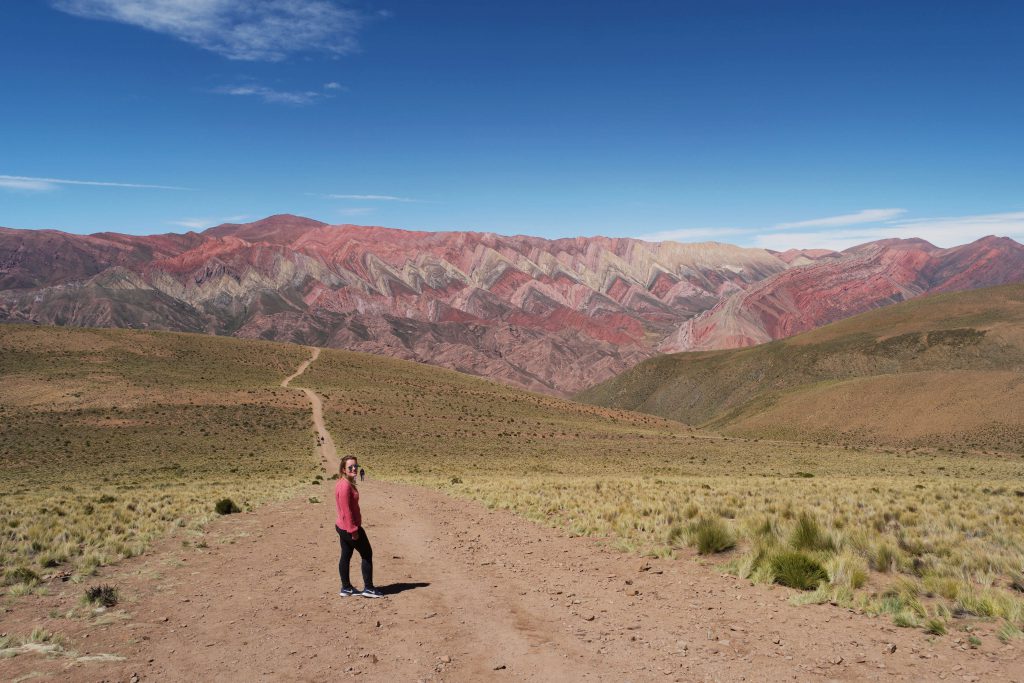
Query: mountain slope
{"type": "Point", "coordinates": [861, 278]}
{"type": "Point", "coordinates": [550, 315]}
{"type": "Point", "coordinates": [940, 370]}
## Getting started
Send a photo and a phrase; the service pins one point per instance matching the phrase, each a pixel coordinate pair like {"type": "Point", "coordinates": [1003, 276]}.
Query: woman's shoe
{"type": "Point", "coordinates": [372, 593]}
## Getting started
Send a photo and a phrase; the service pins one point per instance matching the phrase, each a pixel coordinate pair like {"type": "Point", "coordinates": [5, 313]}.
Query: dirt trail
{"type": "Point", "coordinates": [472, 594]}
{"type": "Point", "coordinates": [325, 444]}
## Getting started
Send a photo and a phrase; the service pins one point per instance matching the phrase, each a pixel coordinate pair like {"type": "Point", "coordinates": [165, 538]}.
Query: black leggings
{"type": "Point", "coordinates": [362, 544]}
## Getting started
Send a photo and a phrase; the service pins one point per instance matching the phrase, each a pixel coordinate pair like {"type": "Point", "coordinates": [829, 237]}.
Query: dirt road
{"type": "Point", "coordinates": [473, 594]}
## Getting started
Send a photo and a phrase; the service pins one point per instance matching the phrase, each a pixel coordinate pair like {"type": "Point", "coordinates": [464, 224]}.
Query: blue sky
{"type": "Point", "coordinates": [779, 124]}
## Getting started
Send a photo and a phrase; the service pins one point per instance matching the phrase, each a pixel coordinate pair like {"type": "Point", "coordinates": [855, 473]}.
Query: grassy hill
{"type": "Point", "coordinates": [111, 438]}
{"type": "Point", "coordinates": [943, 371]}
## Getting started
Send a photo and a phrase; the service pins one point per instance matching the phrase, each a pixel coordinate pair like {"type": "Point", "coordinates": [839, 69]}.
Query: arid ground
{"type": "Point", "coordinates": [471, 593]}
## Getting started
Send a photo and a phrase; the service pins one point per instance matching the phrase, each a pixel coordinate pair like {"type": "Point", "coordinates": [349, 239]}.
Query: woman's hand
{"type": "Point", "coordinates": [355, 535]}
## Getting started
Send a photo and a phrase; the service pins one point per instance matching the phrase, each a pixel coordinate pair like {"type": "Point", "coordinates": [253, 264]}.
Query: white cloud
{"type": "Point", "coordinates": [865, 216]}
{"type": "Point", "coordinates": [27, 184]}
{"type": "Point", "coordinates": [202, 223]}
{"type": "Point", "coordinates": [942, 232]}
{"type": "Point", "coordinates": [333, 85]}
{"type": "Point", "coordinates": [695, 235]}
{"type": "Point", "coordinates": [17, 182]}
{"type": "Point", "coordinates": [269, 94]}
{"type": "Point", "coordinates": [356, 211]}
{"type": "Point", "coordinates": [250, 30]}
{"type": "Point", "coordinates": [372, 197]}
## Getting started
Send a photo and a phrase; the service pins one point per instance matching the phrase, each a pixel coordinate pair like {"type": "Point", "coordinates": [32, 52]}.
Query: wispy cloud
{"type": "Point", "coordinates": [356, 211]}
{"type": "Point", "coordinates": [269, 94]}
{"type": "Point", "coordinates": [373, 197]}
{"type": "Point", "coordinates": [17, 182]}
{"type": "Point", "coordinates": [847, 230]}
{"type": "Point", "coordinates": [201, 223]}
{"type": "Point", "coordinates": [694, 235]}
{"type": "Point", "coordinates": [859, 218]}
{"type": "Point", "coordinates": [280, 96]}
{"type": "Point", "coordinates": [944, 232]}
{"type": "Point", "coordinates": [250, 30]}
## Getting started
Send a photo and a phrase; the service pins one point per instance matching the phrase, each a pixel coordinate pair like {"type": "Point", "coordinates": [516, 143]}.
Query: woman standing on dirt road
{"type": "Point", "coordinates": [350, 531]}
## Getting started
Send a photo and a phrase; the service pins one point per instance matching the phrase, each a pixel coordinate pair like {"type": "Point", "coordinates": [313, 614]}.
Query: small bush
{"type": "Point", "coordinates": [905, 620]}
{"type": "Point", "coordinates": [807, 535]}
{"type": "Point", "coordinates": [314, 500]}
{"type": "Point", "coordinates": [20, 575]}
{"type": "Point", "coordinates": [226, 506]}
{"type": "Point", "coordinates": [883, 559]}
{"type": "Point", "coordinates": [103, 595]}
{"type": "Point", "coordinates": [935, 626]}
{"type": "Point", "coordinates": [456, 480]}
{"type": "Point", "coordinates": [711, 536]}
{"type": "Point", "coordinates": [795, 569]}
{"type": "Point", "coordinates": [847, 570]}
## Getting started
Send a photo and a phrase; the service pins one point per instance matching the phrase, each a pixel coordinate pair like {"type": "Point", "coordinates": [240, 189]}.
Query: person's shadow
{"type": "Point", "coordinates": [396, 588]}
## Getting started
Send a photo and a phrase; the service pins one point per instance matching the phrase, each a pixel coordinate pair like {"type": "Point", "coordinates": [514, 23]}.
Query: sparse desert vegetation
{"type": "Point", "coordinates": [926, 536]}
{"type": "Point", "coordinates": [109, 438]}
{"type": "Point", "coordinates": [121, 436]}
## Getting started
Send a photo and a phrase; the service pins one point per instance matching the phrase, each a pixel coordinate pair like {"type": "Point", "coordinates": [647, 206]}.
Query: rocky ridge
{"type": "Point", "coordinates": [550, 315]}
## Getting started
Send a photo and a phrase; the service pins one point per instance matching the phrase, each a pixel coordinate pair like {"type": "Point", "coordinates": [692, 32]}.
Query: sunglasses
{"type": "Point", "coordinates": [352, 467]}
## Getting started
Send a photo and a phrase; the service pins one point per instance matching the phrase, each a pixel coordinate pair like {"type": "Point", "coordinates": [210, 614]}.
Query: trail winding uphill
{"type": "Point", "coordinates": [473, 594]}
{"type": "Point", "coordinates": [325, 444]}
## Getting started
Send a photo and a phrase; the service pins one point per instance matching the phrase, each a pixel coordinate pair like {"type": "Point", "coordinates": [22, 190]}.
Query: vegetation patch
{"type": "Point", "coordinates": [103, 595]}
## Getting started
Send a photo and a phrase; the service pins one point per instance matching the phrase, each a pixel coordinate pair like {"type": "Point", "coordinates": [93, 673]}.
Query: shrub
{"type": "Point", "coordinates": [226, 506]}
{"type": "Point", "coordinates": [795, 569]}
{"type": "Point", "coordinates": [847, 570]}
{"type": "Point", "coordinates": [1009, 631]}
{"type": "Point", "coordinates": [935, 626]}
{"type": "Point", "coordinates": [456, 480]}
{"type": "Point", "coordinates": [905, 620]}
{"type": "Point", "coordinates": [883, 559]}
{"type": "Point", "coordinates": [20, 575]}
{"type": "Point", "coordinates": [807, 535]}
{"type": "Point", "coordinates": [711, 536]}
{"type": "Point", "coordinates": [103, 595]}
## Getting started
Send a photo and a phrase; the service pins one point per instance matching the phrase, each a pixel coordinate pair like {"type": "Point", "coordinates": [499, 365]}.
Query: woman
{"type": "Point", "coordinates": [350, 531]}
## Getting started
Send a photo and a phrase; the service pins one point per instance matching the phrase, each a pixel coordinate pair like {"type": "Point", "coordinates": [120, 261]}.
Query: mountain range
{"type": "Point", "coordinates": [555, 316]}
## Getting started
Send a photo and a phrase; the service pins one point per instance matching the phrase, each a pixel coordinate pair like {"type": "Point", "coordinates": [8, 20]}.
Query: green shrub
{"type": "Point", "coordinates": [807, 535]}
{"type": "Point", "coordinates": [711, 536]}
{"type": "Point", "coordinates": [226, 506]}
{"type": "Point", "coordinates": [20, 575]}
{"type": "Point", "coordinates": [935, 626]}
{"type": "Point", "coordinates": [883, 559]}
{"type": "Point", "coordinates": [795, 569]}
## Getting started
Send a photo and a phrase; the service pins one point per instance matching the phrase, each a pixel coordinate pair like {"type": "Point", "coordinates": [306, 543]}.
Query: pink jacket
{"type": "Point", "coordinates": [346, 496]}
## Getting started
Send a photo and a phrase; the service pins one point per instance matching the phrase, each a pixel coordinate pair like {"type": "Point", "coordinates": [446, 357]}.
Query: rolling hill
{"type": "Point", "coordinates": [943, 370]}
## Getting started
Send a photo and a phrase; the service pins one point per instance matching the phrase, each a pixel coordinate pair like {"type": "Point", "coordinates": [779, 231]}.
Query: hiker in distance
{"type": "Point", "coordinates": [350, 531]}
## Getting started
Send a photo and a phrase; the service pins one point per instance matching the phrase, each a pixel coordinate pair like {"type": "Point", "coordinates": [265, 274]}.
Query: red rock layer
{"type": "Point", "coordinates": [551, 315]}
{"type": "Point", "coordinates": [859, 279]}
